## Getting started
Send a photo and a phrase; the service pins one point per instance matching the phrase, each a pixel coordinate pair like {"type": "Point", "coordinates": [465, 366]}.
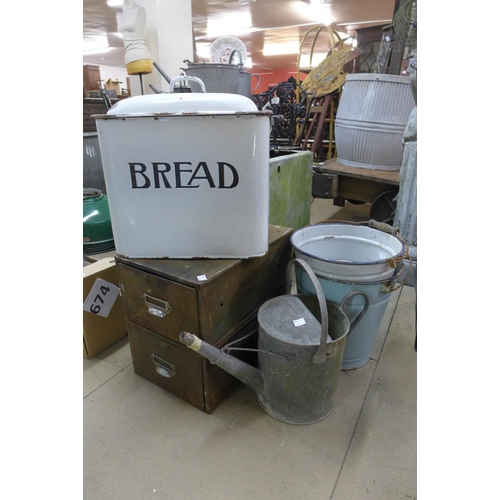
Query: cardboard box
{"type": "Point", "coordinates": [103, 316]}
{"type": "Point", "coordinates": [113, 84]}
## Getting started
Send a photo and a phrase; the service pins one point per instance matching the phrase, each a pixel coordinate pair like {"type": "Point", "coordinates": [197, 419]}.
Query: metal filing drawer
{"type": "Point", "coordinates": [215, 299]}
{"type": "Point", "coordinates": [166, 364]}
{"type": "Point", "coordinates": [207, 297]}
{"type": "Point", "coordinates": [182, 372]}
{"type": "Point", "coordinates": [162, 305]}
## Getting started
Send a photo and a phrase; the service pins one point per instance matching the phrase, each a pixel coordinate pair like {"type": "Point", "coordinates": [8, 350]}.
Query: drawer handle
{"type": "Point", "coordinates": [164, 368]}
{"type": "Point", "coordinates": [157, 307]}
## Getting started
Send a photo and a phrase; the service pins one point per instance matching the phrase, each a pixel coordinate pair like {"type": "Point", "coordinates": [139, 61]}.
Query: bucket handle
{"type": "Point", "coordinates": [386, 228]}
{"type": "Point", "coordinates": [381, 226]}
{"type": "Point", "coordinates": [236, 51]}
{"type": "Point", "coordinates": [232, 54]}
{"type": "Point", "coordinates": [194, 78]}
{"type": "Point", "coordinates": [320, 355]}
{"type": "Point", "coordinates": [258, 83]}
{"type": "Point", "coordinates": [407, 254]}
{"type": "Point", "coordinates": [363, 311]}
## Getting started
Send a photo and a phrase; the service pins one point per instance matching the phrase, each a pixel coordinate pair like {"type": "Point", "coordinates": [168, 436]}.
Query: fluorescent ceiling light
{"type": "Point", "coordinates": [256, 30]}
{"type": "Point", "coordinates": [344, 35]}
{"type": "Point", "coordinates": [102, 50]}
{"type": "Point", "coordinates": [278, 49]}
{"type": "Point", "coordinates": [230, 25]}
{"type": "Point", "coordinates": [203, 50]}
{"type": "Point", "coordinates": [320, 13]}
{"type": "Point", "coordinates": [317, 58]}
{"type": "Point", "coordinates": [374, 21]}
{"type": "Point", "coordinates": [115, 3]}
{"type": "Point", "coordinates": [95, 42]}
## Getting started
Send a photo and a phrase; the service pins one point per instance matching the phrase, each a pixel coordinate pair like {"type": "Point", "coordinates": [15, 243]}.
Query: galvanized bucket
{"type": "Point", "coordinates": [349, 256]}
{"type": "Point", "coordinates": [299, 358]}
{"type": "Point", "coordinates": [222, 78]}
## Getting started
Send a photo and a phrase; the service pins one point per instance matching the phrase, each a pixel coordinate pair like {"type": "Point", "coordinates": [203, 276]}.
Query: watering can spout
{"type": "Point", "coordinates": [242, 371]}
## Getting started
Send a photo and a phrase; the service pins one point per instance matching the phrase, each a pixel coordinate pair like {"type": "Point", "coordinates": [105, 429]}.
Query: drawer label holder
{"type": "Point", "coordinates": [163, 367]}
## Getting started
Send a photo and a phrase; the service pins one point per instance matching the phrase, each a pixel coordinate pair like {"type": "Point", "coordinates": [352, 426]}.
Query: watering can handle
{"type": "Point", "coordinates": [320, 355]}
{"type": "Point", "coordinates": [362, 312]}
{"type": "Point", "coordinates": [193, 78]}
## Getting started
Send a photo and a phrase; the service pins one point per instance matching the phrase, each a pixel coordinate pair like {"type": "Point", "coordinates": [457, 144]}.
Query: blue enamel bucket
{"type": "Point", "coordinates": [345, 260]}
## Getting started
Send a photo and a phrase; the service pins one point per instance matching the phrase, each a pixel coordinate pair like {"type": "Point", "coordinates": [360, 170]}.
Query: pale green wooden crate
{"type": "Point", "coordinates": [290, 189]}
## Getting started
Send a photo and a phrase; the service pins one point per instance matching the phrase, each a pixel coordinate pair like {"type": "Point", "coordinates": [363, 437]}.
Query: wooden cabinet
{"type": "Point", "coordinates": [215, 299]}
{"type": "Point", "coordinates": [91, 77]}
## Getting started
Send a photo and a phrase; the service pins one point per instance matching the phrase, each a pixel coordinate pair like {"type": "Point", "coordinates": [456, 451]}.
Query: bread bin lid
{"type": "Point", "coordinates": [182, 104]}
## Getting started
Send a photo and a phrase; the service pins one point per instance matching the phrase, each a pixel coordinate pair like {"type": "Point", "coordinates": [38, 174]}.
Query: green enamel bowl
{"type": "Point", "coordinates": [97, 230]}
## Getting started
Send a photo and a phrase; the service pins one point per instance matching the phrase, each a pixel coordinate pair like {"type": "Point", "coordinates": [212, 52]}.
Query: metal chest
{"type": "Point", "coordinates": [217, 299]}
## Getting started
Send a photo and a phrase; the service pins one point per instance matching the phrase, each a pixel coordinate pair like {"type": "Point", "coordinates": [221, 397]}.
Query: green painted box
{"type": "Point", "coordinates": [290, 188]}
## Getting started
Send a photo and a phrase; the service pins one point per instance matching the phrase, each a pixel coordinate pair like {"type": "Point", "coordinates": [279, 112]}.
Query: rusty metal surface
{"type": "Point", "coordinates": [157, 116]}
{"type": "Point", "coordinates": [360, 189]}
{"type": "Point", "coordinates": [332, 179]}
{"type": "Point", "coordinates": [186, 271]}
{"type": "Point", "coordinates": [144, 296]}
{"type": "Point", "coordinates": [187, 380]}
{"type": "Point", "coordinates": [163, 297]}
{"type": "Point", "coordinates": [180, 371]}
{"type": "Point", "coordinates": [325, 184]}
{"type": "Point", "coordinates": [385, 176]}
{"type": "Point", "coordinates": [232, 290]}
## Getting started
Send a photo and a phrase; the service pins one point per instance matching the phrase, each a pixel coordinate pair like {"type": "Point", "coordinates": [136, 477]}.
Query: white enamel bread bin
{"type": "Point", "coordinates": [187, 175]}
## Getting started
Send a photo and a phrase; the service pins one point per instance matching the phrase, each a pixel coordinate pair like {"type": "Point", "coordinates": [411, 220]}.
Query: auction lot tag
{"type": "Point", "coordinates": [101, 298]}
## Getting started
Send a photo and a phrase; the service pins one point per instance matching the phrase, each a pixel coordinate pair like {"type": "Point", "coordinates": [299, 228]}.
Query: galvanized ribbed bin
{"type": "Point", "coordinates": [371, 119]}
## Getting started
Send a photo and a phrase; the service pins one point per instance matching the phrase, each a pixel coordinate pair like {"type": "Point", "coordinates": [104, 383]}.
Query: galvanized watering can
{"type": "Point", "coordinates": [301, 342]}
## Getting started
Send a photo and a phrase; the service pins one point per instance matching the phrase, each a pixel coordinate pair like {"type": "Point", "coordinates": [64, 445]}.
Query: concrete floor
{"type": "Point", "coordinates": [141, 442]}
